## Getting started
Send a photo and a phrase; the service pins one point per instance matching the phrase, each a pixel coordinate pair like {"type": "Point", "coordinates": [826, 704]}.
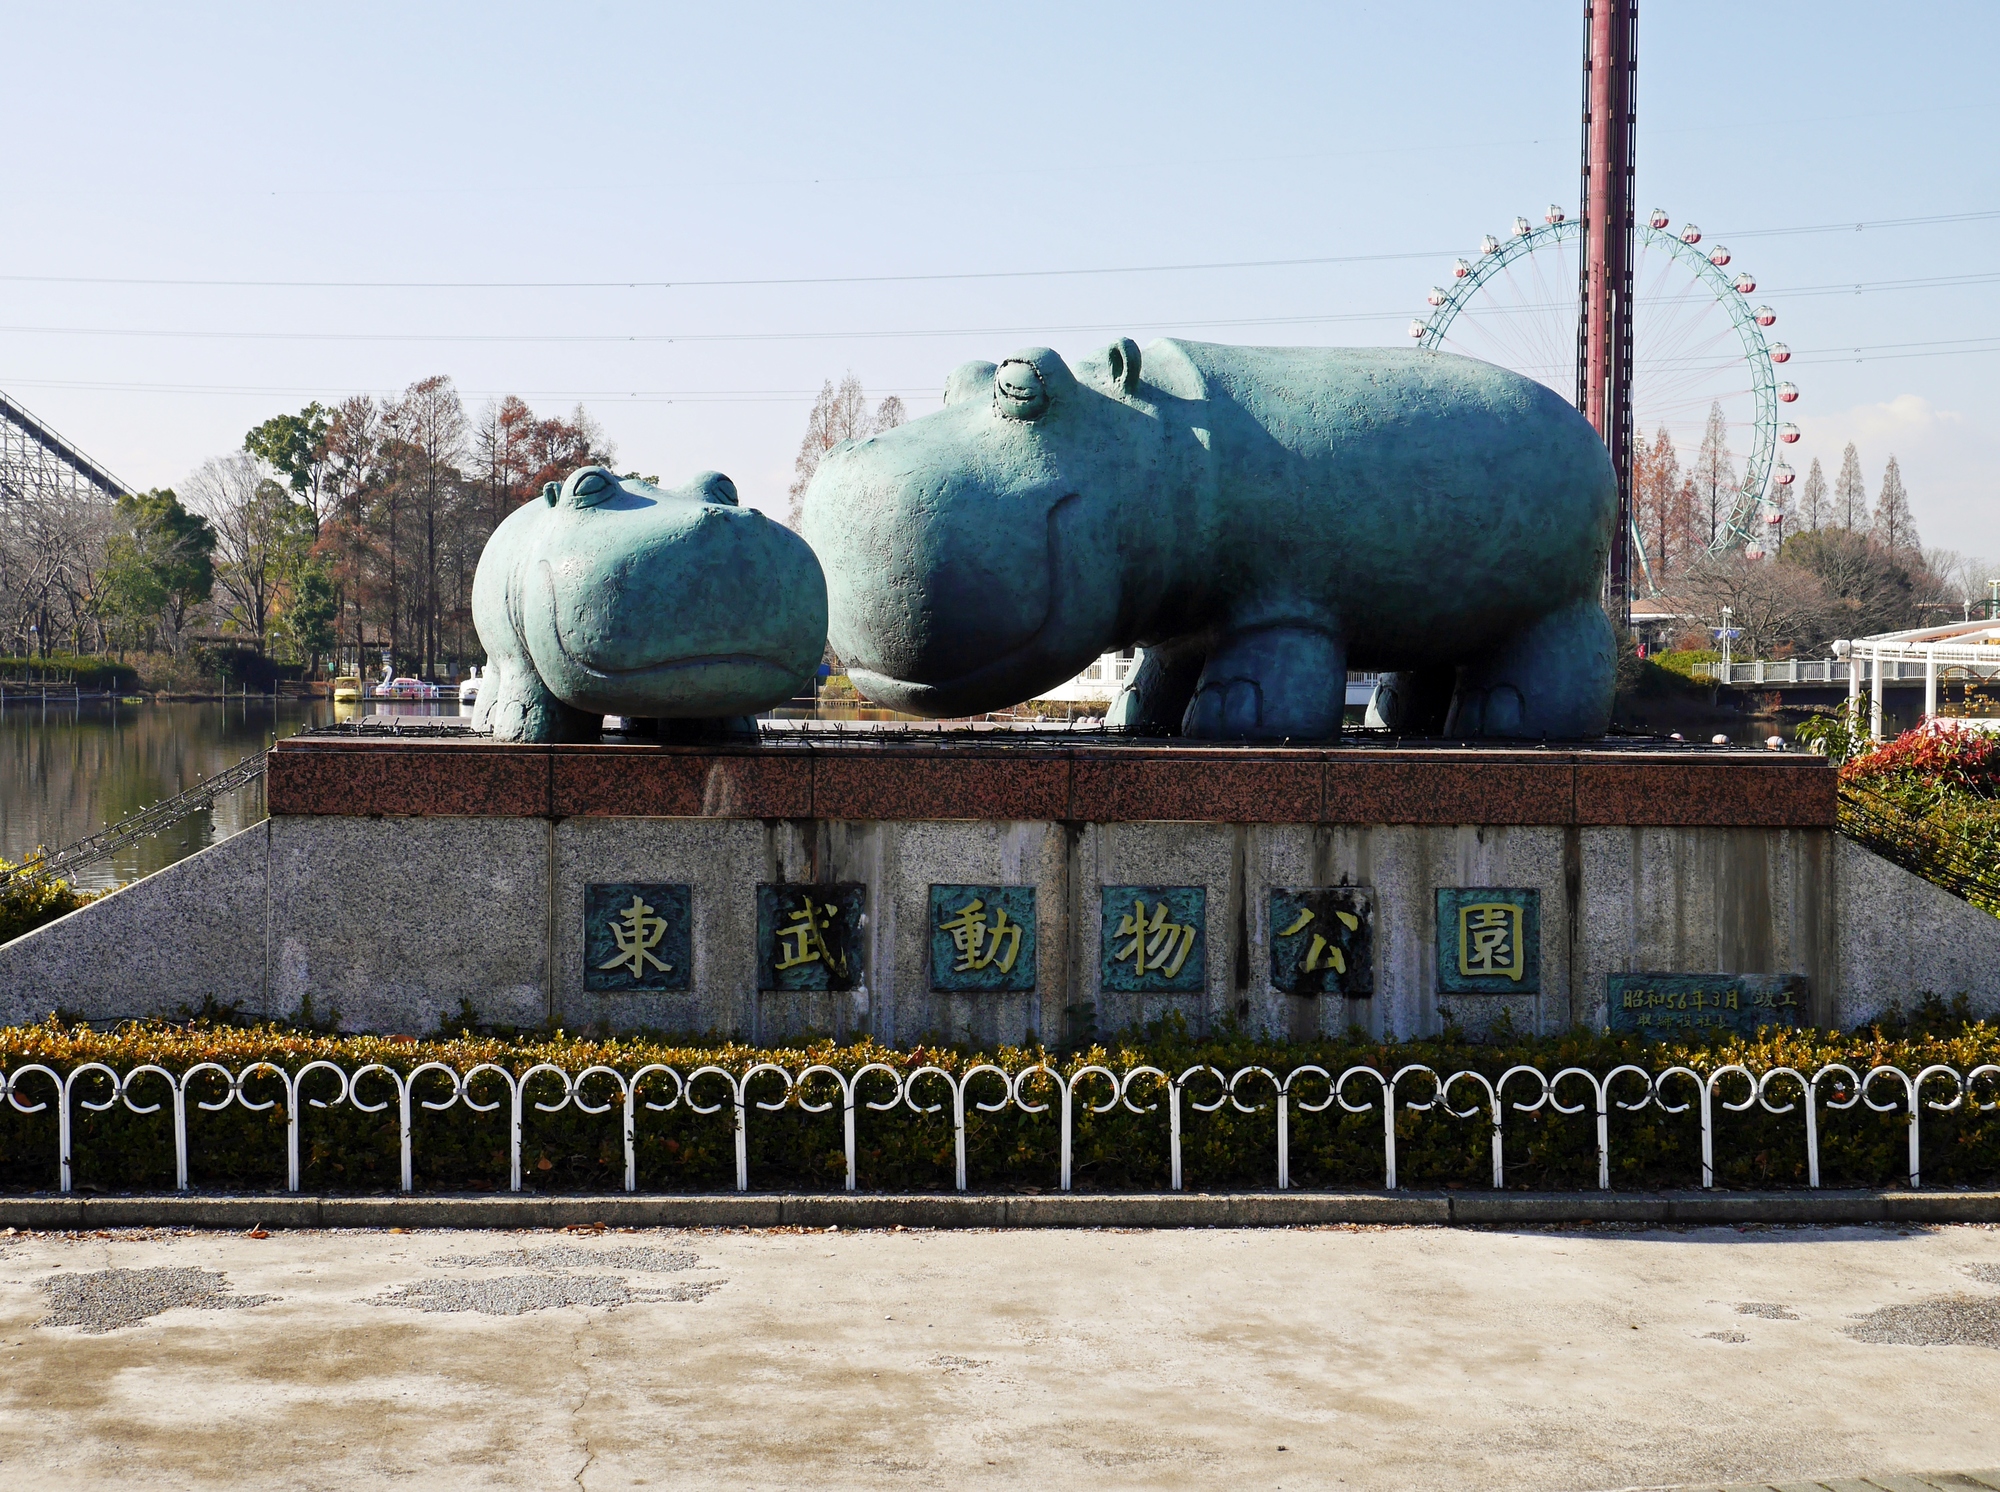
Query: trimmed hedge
{"type": "Point", "coordinates": [344, 1150]}
{"type": "Point", "coordinates": [87, 671]}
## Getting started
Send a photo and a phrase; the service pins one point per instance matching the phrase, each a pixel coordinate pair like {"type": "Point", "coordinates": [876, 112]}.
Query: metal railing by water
{"type": "Point", "coordinates": [984, 1088]}
{"type": "Point", "coordinates": [147, 821]}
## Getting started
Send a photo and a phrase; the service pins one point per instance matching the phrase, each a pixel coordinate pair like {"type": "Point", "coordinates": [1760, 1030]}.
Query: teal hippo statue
{"type": "Point", "coordinates": [1259, 519]}
{"type": "Point", "coordinates": [615, 597]}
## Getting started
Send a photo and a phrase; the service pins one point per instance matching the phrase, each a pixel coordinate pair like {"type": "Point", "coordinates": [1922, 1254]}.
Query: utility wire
{"type": "Point", "coordinates": [904, 279]}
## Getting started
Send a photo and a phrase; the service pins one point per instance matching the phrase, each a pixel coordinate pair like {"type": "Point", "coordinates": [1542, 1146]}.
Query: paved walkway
{"type": "Point", "coordinates": [1366, 1357]}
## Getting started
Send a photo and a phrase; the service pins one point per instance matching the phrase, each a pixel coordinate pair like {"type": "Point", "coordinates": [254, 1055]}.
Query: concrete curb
{"type": "Point", "coordinates": [976, 1210]}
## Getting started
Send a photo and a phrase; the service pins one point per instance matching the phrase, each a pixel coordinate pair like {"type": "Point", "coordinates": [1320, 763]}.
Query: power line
{"type": "Point", "coordinates": [903, 279]}
{"type": "Point", "coordinates": [1860, 287]}
{"type": "Point", "coordinates": [1868, 352]}
{"type": "Point", "coordinates": [638, 284]}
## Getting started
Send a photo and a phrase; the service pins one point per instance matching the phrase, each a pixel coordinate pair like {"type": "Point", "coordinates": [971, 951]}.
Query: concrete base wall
{"type": "Point", "coordinates": [398, 923]}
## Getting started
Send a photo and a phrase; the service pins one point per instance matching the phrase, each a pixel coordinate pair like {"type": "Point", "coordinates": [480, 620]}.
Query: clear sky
{"type": "Point", "coordinates": [572, 150]}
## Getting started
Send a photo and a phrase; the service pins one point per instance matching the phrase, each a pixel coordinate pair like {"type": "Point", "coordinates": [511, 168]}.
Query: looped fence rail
{"type": "Point", "coordinates": [987, 1089]}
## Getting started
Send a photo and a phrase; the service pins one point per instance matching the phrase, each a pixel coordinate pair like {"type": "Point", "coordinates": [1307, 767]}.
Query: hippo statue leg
{"type": "Point", "coordinates": [1416, 702]}
{"type": "Point", "coordinates": [1553, 680]}
{"type": "Point", "coordinates": [1271, 683]}
{"type": "Point", "coordinates": [516, 706]}
{"type": "Point", "coordinates": [1156, 696]}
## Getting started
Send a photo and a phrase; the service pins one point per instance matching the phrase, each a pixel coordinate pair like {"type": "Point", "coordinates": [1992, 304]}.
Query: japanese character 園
{"type": "Point", "coordinates": [1489, 940]}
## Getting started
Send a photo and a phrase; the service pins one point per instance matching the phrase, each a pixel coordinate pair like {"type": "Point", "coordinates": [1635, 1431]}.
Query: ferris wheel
{"type": "Point", "coordinates": [1698, 346]}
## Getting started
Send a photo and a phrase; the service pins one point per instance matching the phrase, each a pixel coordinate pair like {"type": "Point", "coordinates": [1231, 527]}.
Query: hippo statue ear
{"type": "Point", "coordinates": [714, 487]}
{"type": "Point", "coordinates": [968, 381]}
{"type": "Point", "coordinates": [551, 493]}
{"type": "Point", "coordinates": [1124, 358]}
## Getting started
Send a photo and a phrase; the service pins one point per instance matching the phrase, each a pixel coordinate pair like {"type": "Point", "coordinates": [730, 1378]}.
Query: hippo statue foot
{"type": "Point", "coordinates": [1553, 680]}
{"type": "Point", "coordinates": [515, 706]}
{"type": "Point", "coordinates": [1273, 683]}
{"type": "Point", "coordinates": [1415, 702]}
{"type": "Point", "coordinates": [1155, 697]}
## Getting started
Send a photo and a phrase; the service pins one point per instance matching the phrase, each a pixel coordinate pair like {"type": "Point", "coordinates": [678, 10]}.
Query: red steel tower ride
{"type": "Point", "coordinates": [1604, 325]}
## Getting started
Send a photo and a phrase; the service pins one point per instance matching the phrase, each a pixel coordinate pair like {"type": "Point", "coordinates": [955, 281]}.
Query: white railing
{"type": "Point", "coordinates": [928, 1090]}
{"type": "Point", "coordinates": [1983, 664]}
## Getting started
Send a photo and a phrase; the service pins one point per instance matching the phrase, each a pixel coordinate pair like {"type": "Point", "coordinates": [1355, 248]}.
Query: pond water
{"type": "Point", "coordinates": [67, 771]}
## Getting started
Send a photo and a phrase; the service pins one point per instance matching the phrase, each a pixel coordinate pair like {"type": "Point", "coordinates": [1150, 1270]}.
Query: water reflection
{"type": "Point", "coordinates": [66, 772]}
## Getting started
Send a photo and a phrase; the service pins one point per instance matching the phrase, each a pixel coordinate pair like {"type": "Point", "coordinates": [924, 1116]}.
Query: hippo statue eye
{"type": "Point", "coordinates": [1018, 390]}
{"type": "Point", "coordinates": [716, 488]}
{"type": "Point", "coordinates": [591, 486]}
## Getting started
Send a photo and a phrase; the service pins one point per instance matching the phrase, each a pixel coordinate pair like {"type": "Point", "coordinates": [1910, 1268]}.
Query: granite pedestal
{"type": "Point", "coordinates": [402, 882]}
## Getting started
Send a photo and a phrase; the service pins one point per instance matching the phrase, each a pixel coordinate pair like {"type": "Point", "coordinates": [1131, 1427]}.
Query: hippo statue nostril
{"type": "Point", "coordinates": [716, 488]}
{"type": "Point", "coordinates": [1018, 390]}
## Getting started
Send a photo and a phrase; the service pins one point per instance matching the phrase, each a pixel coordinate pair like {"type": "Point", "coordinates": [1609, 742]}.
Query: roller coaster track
{"type": "Point", "coordinates": [54, 865]}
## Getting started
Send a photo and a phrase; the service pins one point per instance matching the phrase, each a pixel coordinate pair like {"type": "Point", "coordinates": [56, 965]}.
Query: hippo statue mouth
{"type": "Point", "coordinates": [677, 669]}
{"type": "Point", "coordinates": [1045, 657]}
{"type": "Point", "coordinates": [678, 679]}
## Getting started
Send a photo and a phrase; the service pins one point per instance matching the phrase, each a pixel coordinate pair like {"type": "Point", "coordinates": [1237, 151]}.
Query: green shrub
{"type": "Point", "coordinates": [1930, 801]}
{"type": "Point", "coordinates": [23, 907]}
{"type": "Point", "coordinates": [88, 672]}
{"type": "Point", "coordinates": [345, 1150]}
{"type": "Point", "coordinates": [1683, 663]}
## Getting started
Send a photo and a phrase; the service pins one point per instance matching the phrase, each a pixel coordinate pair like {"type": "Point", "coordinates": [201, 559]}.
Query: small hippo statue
{"type": "Point", "coordinates": [1259, 519]}
{"type": "Point", "coordinates": [615, 597]}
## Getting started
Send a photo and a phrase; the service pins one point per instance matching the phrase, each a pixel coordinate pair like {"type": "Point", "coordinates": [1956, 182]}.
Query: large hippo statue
{"type": "Point", "coordinates": [1259, 519]}
{"type": "Point", "coordinates": [616, 597]}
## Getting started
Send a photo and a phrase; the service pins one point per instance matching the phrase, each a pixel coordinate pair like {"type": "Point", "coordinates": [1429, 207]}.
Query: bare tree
{"type": "Point", "coordinates": [837, 414]}
{"type": "Point", "coordinates": [1715, 474]}
{"type": "Point", "coordinates": [255, 520]}
{"type": "Point", "coordinates": [1850, 493]}
{"type": "Point", "coordinates": [428, 428]}
{"type": "Point", "coordinates": [1777, 607]}
{"type": "Point", "coordinates": [1813, 512]}
{"type": "Point", "coordinates": [1663, 504]}
{"type": "Point", "coordinates": [1895, 526]}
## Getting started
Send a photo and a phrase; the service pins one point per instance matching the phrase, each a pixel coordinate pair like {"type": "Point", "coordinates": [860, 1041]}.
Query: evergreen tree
{"type": "Point", "coordinates": [1895, 527]}
{"type": "Point", "coordinates": [1812, 500]}
{"type": "Point", "coordinates": [159, 566]}
{"type": "Point", "coordinates": [1850, 492]}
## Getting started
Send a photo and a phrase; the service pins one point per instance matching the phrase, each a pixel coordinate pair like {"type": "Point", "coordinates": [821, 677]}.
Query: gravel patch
{"type": "Point", "coordinates": [1724, 1336]}
{"type": "Point", "coordinates": [1767, 1310]}
{"type": "Point", "coordinates": [1986, 1274]}
{"type": "Point", "coordinates": [110, 1299]}
{"type": "Point", "coordinates": [1956, 1321]}
{"type": "Point", "coordinates": [520, 1294]}
{"type": "Point", "coordinates": [641, 1257]}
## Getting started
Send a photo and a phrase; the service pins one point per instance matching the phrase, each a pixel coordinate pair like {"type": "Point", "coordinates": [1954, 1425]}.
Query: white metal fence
{"type": "Point", "coordinates": [1040, 1089]}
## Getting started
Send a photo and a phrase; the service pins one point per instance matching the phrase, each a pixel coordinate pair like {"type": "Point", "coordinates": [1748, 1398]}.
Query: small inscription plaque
{"type": "Point", "coordinates": [982, 938]}
{"type": "Point", "coordinates": [1323, 941]}
{"type": "Point", "coordinates": [1681, 1005]}
{"type": "Point", "coordinates": [635, 936]}
{"type": "Point", "coordinates": [1154, 939]}
{"type": "Point", "coordinates": [810, 937]}
{"type": "Point", "coordinates": [1489, 940]}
